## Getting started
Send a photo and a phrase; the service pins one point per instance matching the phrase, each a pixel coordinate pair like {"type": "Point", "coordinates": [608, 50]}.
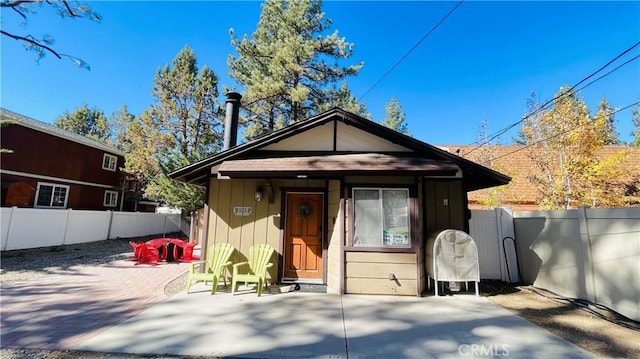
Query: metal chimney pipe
{"type": "Point", "coordinates": [231, 120]}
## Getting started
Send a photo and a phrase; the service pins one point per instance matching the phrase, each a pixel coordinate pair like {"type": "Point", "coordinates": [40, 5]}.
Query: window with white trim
{"type": "Point", "coordinates": [109, 162]}
{"type": "Point", "coordinates": [50, 195]}
{"type": "Point", "coordinates": [381, 217]}
{"type": "Point", "coordinates": [110, 198]}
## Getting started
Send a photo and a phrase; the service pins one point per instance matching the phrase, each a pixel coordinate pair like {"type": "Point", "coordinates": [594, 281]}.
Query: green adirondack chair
{"type": "Point", "coordinates": [215, 266]}
{"type": "Point", "coordinates": [255, 270]}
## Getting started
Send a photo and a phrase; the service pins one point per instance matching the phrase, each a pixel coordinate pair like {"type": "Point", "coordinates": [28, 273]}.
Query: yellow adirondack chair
{"type": "Point", "coordinates": [215, 266]}
{"type": "Point", "coordinates": [259, 257]}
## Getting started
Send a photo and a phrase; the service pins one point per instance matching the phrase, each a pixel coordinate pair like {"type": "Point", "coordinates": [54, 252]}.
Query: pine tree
{"type": "Point", "coordinates": [395, 118]}
{"type": "Point", "coordinates": [605, 114]}
{"type": "Point", "coordinates": [341, 97]}
{"type": "Point", "coordinates": [91, 123]}
{"type": "Point", "coordinates": [119, 122]}
{"type": "Point", "coordinates": [288, 65]}
{"type": "Point", "coordinates": [182, 126]}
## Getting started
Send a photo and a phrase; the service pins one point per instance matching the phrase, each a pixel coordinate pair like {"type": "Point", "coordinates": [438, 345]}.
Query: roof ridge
{"type": "Point", "coordinates": [56, 131]}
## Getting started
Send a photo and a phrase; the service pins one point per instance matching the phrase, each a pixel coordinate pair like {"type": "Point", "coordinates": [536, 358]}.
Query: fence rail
{"type": "Point", "coordinates": [23, 228]}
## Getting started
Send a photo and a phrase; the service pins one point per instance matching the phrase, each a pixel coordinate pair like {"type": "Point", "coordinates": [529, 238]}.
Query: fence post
{"type": "Point", "coordinates": [66, 226]}
{"type": "Point", "coordinates": [110, 224]}
{"type": "Point", "coordinates": [193, 227]}
{"type": "Point", "coordinates": [505, 229]}
{"type": "Point", "coordinates": [164, 226]}
{"type": "Point", "coordinates": [504, 222]}
{"type": "Point", "coordinates": [6, 243]}
{"type": "Point", "coordinates": [587, 265]}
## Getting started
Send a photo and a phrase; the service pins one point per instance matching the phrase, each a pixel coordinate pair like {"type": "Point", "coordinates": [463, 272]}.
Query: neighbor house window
{"type": "Point", "coordinates": [110, 198]}
{"type": "Point", "coordinates": [109, 162]}
{"type": "Point", "coordinates": [381, 217]}
{"type": "Point", "coordinates": [51, 195]}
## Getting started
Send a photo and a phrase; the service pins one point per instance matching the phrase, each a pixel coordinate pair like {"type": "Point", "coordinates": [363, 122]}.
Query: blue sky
{"type": "Point", "coordinates": [483, 62]}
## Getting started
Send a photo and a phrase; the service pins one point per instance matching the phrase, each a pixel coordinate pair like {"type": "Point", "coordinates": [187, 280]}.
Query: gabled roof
{"type": "Point", "coordinates": [56, 131]}
{"type": "Point", "coordinates": [407, 153]}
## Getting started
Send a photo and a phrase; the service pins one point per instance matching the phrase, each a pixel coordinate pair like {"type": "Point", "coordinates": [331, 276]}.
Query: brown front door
{"type": "Point", "coordinates": [303, 236]}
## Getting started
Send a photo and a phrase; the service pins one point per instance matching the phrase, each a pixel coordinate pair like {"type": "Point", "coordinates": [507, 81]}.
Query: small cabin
{"type": "Point", "coordinates": [346, 202]}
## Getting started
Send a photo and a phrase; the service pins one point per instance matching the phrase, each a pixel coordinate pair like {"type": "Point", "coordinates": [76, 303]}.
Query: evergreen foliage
{"type": "Point", "coordinates": [119, 122]}
{"type": "Point", "coordinates": [395, 118]}
{"type": "Point", "coordinates": [85, 121]}
{"type": "Point", "coordinates": [288, 65]}
{"type": "Point", "coordinates": [605, 119]}
{"type": "Point", "coordinates": [181, 127]}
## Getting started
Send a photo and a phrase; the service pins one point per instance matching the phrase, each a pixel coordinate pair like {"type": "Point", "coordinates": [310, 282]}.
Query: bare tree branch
{"type": "Point", "coordinates": [69, 10]}
{"type": "Point", "coordinates": [15, 3]}
{"type": "Point", "coordinates": [19, 13]}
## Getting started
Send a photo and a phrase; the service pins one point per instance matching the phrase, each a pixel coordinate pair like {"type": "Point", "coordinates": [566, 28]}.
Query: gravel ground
{"type": "Point", "coordinates": [604, 333]}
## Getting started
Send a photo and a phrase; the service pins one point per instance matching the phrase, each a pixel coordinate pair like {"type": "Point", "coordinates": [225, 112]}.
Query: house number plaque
{"type": "Point", "coordinates": [242, 211]}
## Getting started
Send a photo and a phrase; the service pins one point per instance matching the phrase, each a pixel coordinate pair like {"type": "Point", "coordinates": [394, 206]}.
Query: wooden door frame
{"type": "Point", "coordinates": [283, 224]}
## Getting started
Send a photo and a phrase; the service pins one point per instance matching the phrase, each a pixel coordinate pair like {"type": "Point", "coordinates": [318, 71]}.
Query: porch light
{"type": "Point", "coordinates": [258, 194]}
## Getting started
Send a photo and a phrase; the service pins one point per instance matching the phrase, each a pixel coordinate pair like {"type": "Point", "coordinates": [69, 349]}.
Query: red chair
{"type": "Point", "coordinates": [148, 255]}
{"type": "Point", "coordinates": [187, 253]}
{"type": "Point", "coordinates": [182, 250]}
{"type": "Point", "coordinates": [160, 244]}
{"type": "Point", "coordinates": [137, 248]}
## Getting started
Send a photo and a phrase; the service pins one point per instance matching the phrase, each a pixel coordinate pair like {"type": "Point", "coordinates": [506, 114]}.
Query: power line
{"type": "Point", "coordinates": [558, 134]}
{"type": "Point", "coordinates": [410, 50]}
{"type": "Point", "coordinates": [565, 93]}
{"type": "Point", "coordinates": [607, 74]}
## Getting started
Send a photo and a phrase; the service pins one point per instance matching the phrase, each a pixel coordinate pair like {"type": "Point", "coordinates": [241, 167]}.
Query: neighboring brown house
{"type": "Point", "coordinates": [345, 201]}
{"type": "Point", "coordinates": [53, 168]}
{"type": "Point", "coordinates": [517, 162]}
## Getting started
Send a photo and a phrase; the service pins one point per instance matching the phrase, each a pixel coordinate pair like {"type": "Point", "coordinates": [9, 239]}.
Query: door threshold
{"type": "Point", "coordinates": [302, 281]}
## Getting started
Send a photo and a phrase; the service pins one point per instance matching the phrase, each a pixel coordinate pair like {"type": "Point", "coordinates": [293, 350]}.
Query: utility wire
{"type": "Point", "coordinates": [565, 93]}
{"type": "Point", "coordinates": [410, 50]}
{"type": "Point", "coordinates": [558, 134]}
{"type": "Point", "coordinates": [608, 73]}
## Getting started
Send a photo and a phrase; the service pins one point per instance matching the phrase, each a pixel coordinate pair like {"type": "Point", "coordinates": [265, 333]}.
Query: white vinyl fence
{"type": "Point", "coordinates": [492, 231]}
{"type": "Point", "coordinates": [23, 228]}
{"type": "Point", "coordinates": [590, 254]}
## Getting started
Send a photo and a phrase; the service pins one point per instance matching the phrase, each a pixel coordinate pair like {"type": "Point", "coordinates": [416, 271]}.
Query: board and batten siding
{"type": "Point", "coordinates": [335, 229]}
{"type": "Point", "coordinates": [261, 226]}
{"type": "Point", "coordinates": [445, 206]}
{"type": "Point", "coordinates": [368, 273]}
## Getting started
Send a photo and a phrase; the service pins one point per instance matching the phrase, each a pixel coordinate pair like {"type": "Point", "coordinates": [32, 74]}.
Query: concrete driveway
{"type": "Point", "coordinates": [311, 325]}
